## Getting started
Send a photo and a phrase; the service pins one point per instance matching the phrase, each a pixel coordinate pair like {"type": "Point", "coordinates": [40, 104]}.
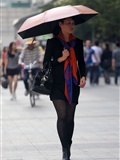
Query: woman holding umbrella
{"type": "Point", "coordinates": [68, 71]}
{"type": "Point", "coordinates": [68, 67]}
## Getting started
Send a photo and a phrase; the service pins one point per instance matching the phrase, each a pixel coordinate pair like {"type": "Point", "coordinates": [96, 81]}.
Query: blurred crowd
{"type": "Point", "coordinates": [103, 61]}
{"type": "Point", "coordinates": [100, 60]}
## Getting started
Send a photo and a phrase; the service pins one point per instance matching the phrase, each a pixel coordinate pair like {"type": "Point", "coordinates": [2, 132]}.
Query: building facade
{"type": "Point", "coordinates": [11, 11]}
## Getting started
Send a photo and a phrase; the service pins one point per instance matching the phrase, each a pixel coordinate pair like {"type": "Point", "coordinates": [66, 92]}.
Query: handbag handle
{"type": "Point", "coordinates": [47, 69]}
{"type": "Point", "coordinates": [47, 65]}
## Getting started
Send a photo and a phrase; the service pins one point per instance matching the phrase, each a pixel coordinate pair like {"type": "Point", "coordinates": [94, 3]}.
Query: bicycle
{"type": "Point", "coordinates": [30, 83]}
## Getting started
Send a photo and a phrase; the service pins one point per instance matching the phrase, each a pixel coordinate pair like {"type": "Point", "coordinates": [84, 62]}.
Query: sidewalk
{"type": "Point", "coordinates": [30, 133]}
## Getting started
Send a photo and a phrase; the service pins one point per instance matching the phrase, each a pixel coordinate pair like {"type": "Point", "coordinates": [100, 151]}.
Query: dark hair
{"type": "Point", "coordinates": [10, 49]}
{"type": "Point", "coordinates": [107, 45]}
{"type": "Point", "coordinates": [118, 44]}
{"type": "Point", "coordinates": [57, 29]}
{"type": "Point", "coordinates": [4, 49]}
{"type": "Point", "coordinates": [97, 43]}
{"type": "Point", "coordinates": [10, 46]}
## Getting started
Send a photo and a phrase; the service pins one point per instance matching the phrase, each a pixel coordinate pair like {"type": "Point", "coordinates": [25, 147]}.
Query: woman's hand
{"type": "Point", "coordinates": [82, 82]}
{"type": "Point", "coordinates": [65, 54]}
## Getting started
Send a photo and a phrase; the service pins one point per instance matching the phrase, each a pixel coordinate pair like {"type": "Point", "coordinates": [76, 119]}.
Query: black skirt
{"type": "Point", "coordinates": [12, 72]}
{"type": "Point", "coordinates": [57, 92]}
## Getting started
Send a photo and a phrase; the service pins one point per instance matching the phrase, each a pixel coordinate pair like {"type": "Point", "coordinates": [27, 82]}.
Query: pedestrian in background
{"type": "Point", "coordinates": [4, 53]}
{"type": "Point", "coordinates": [89, 53]}
{"type": "Point", "coordinates": [11, 69]}
{"type": "Point", "coordinates": [106, 63]}
{"type": "Point", "coordinates": [42, 51]}
{"type": "Point", "coordinates": [116, 62]}
{"type": "Point", "coordinates": [21, 67]}
{"type": "Point", "coordinates": [30, 54]}
{"type": "Point", "coordinates": [98, 52]}
{"type": "Point", "coordinates": [0, 67]}
{"type": "Point", "coordinates": [68, 76]}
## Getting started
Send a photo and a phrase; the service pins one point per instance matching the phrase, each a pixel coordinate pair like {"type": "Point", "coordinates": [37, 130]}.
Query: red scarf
{"type": "Point", "coordinates": [71, 63]}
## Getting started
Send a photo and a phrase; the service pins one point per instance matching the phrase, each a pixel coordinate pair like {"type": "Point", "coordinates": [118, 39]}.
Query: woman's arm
{"type": "Point", "coordinates": [81, 62]}
{"type": "Point", "coordinates": [81, 65]}
{"type": "Point", "coordinates": [6, 64]}
{"type": "Point", "coordinates": [49, 54]}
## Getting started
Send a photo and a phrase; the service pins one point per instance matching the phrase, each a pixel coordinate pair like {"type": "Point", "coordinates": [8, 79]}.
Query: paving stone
{"type": "Point", "coordinates": [30, 133]}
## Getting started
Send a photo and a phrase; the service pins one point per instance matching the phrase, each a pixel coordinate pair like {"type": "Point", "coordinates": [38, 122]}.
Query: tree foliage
{"type": "Point", "coordinates": [105, 26]}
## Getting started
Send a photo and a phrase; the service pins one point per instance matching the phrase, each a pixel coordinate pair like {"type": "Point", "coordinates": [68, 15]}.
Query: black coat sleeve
{"type": "Point", "coordinates": [80, 58]}
{"type": "Point", "coordinates": [49, 53]}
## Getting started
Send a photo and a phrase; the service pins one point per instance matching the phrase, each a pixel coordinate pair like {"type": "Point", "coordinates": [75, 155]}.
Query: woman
{"type": "Point", "coordinates": [68, 70]}
{"type": "Point", "coordinates": [11, 68]}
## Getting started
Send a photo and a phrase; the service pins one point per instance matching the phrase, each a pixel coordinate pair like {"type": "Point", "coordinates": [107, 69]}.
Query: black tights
{"type": "Point", "coordinates": [65, 121]}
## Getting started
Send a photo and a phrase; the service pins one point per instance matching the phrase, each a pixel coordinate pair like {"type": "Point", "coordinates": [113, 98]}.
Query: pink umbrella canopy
{"type": "Point", "coordinates": [44, 23]}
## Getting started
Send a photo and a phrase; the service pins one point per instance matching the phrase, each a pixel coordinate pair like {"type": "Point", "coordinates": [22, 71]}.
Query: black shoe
{"type": "Point", "coordinates": [65, 154]}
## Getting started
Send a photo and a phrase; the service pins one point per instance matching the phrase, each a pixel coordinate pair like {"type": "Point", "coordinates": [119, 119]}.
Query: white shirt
{"type": "Point", "coordinates": [30, 56]}
{"type": "Point", "coordinates": [98, 52]}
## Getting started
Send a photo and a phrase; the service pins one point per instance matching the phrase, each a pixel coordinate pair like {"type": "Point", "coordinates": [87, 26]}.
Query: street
{"type": "Point", "coordinates": [30, 133]}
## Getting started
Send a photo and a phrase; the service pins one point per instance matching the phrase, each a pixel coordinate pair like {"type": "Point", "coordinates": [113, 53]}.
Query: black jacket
{"type": "Point", "coordinates": [106, 59]}
{"type": "Point", "coordinates": [53, 51]}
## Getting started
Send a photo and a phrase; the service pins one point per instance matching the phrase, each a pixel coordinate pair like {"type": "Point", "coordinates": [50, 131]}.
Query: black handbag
{"type": "Point", "coordinates": [43, 80]}
{"type": "Point", "coordinates": [4, 81]}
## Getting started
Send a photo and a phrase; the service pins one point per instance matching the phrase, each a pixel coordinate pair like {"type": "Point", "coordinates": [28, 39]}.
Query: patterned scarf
{"type": "Point", "coordinates": [70, 66]}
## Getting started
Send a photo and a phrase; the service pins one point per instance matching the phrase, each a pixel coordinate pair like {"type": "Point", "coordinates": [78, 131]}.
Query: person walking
{"type": "Point", "coordinates": [116, 62]}
{"type": "Point", "coordinates": [0, 67]}
{"type": "Point", "coordinates": [98, 52]}
{"type": "Point", "coordinates": [4, 53]}
{"type": "Point", "coordinates": [68, 70]}
{"type": "Point", "coordinates": [11, 69]}
{"type": "Point", "coordinates": [89, 53]}
{"type": "Point", "coordinates": [106, 63]}
{"type": "Point", "coordinates": [30, 54]}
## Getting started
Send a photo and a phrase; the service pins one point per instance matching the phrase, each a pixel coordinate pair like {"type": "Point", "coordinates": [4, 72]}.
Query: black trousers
{"type": "Point", "coordinates": [117, 73]}
{"type": "Point", "coordinates": [93, 73]}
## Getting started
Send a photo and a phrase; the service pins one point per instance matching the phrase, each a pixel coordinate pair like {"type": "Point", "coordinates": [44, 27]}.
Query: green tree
{"type": "Point", "coordinates": [105, 26]}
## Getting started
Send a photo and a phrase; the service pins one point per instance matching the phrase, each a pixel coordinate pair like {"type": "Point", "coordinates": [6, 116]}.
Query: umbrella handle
{"type": "Point", "coordinates": [33, 40]}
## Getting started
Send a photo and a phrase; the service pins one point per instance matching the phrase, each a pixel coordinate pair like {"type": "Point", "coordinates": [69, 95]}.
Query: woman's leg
{"type": "Point", "coordinates": [61, 110]}
{"type": "Point", "coordinates": [15, 78]}
{"type": "Point", "coordinates": [70, 125]}
{"type": "Point", "coordinates": [70, 122]}
{"type": "Point", "coordinates": [65, 125]}
{"type": "Point", "coordinates": [10, 80]}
